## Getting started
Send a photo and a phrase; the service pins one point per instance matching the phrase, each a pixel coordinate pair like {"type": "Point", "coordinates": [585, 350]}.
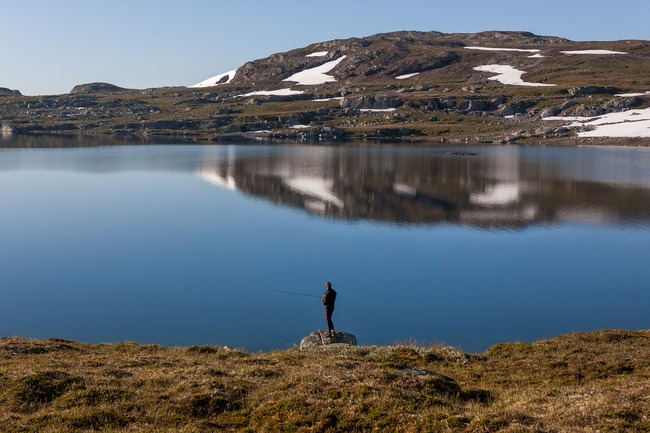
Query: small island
{"type": "Point", "coordinates": [595, 381]}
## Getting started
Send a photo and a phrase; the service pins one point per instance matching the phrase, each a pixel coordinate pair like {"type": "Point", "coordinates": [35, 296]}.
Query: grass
{"type": "Point", "coordinates": [581, 382]}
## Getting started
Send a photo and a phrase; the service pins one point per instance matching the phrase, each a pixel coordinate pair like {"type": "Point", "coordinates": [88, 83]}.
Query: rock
{"type": "Point", "coordinates": [438, 104]}
{"type": "Point", "coordinates": [513, 108]}
{"type": "Point", "coordinates": [474, 105]}
{"type": "Point", "coordinates": [376, 102]}
{"type": "Point", "coordinates": [620, 104]}
{"type": "Point", "coordinates": [6, 129]}
{"type": "Point", "coordinates": [8, 92]}
{"type": "Point", "coordinates": [321, 338]}
{"type": "Point", "coordinates": [95, 88]}
{"type": "Point", "coordinates": [435, 381]}
{"type": "Point", "coordinates": [555, 111]}
{"type": "Point", "coordinates": [593, 90]}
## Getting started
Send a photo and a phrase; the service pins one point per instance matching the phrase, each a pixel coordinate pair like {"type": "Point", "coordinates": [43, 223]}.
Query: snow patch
{"type": "Point", "coordinates": [629, 124]}
{"type": "Point", "coordinates": [377, 110]}
{"type": "Point", "coordinates": [569, 118]}
{"type": "Point", "coordinates": [500, 194]}
{"type": "Point", "coordinates": [509, 75]}
{"type": "Point", "coordinates": [403, 189]}
{"type": "Point", "coordinates": [210, 176]}
{"type": "Point", "coordinates": [279, 92]}
{"type": "Point", "coordinates": [317, 75]}
{"type": "Point", "coordinates": [520, 50]}
{"type": "Point", "coordinates": [337, 98]}
{"type": "Point", "coordinates": [405, 76]}
{"type": "Point", "coordinates": [315, 187]}
{"type": "Point", "coordinates": [536, 56]}
{"type": "Point", "coordinates": [214, 81]}
{"type": "Point", "coordinates": [630, 95]}
{"type": "Point", "coordinates": [317, 54]}
{"type": "Point", "coordinates": [299, 126]}
{"type": "Point", "coordinates": [593, 52]}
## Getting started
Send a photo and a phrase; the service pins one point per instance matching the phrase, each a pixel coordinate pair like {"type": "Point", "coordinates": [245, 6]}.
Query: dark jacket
{"type": "Point", "coordinates": [329, 298]}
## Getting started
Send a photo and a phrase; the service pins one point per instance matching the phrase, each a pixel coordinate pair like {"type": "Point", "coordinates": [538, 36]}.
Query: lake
{"type": "Point", "coordinates": [198, 244]}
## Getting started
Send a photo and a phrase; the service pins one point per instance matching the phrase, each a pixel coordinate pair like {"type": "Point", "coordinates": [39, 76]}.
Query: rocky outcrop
{"type": "Point", "coordinates": [435, 382]}
{"type": "Point", "coordinates": [374, 102]}
{"type": "Point", "coordinates": [612, 106]}
{"type": "Point", "coordinates": [593, 90]}
{"type": "Point", "coordinates": [519, 107]}
{"type": "Point", "coordinates": [84, 89]}
{"type": "Point", "coordinates": [321, 338]}
{"type": "Point", "coordinates": [8, 92]}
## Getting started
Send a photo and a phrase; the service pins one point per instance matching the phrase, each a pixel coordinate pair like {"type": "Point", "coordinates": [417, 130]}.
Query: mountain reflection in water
{"type": "Point", "coordinates": [113, 243]}
{"type": "Point", "coordinates": [506, 187]}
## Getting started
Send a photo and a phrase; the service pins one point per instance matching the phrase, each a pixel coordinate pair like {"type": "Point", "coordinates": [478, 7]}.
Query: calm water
{"type": "Point", "coordinates": [184, 245]}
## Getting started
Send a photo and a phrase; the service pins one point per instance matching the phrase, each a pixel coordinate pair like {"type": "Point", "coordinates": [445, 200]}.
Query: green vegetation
{"type": "Point", "coordinates": [572, 383]}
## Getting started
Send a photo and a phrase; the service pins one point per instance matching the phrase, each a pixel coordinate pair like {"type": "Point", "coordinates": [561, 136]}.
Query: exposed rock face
{"type": "Point", "coordinates": [382, 55]}
{"type": "Point", "coordinates": [593, 90]}
{"type": "Point", "coordinates": [321, 338]}
{"type": "Point", "coordinates": [84, 89]}
{"type": "Point", "coordinates": [376, 102]}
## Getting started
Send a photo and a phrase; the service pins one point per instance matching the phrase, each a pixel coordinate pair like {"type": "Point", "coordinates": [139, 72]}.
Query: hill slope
{"type": "Point", "coordinates": [490, 86]}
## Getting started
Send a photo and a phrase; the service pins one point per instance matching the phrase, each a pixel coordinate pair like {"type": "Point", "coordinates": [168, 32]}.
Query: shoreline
{"type": "Point", "coordinates": [295, 345]}
{"type": "Point", "coordinates": [102, 139]}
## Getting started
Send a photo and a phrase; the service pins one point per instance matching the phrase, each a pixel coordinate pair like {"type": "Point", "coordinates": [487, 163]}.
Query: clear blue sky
{"type": "Point", "coordinates": [47, 46]}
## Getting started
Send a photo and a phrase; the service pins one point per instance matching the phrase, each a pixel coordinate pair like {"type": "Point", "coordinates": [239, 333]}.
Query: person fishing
{"type": "Point", "coordinates": [328, 299]}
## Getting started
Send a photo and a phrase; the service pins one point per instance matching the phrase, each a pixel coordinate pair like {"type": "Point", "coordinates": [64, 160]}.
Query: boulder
{"type": "Point", "coordinates": [513, 108]}
{"type": "Point", "coordinates": [321, 338]}
{"type": "Point", "coordinates": [474, 105]}
{"type": "Point", "coordinates": [434, 381]}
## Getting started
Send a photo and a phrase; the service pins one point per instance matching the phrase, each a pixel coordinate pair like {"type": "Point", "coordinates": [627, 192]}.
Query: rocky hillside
{"type": "Point", "coordinates": [486, 87]}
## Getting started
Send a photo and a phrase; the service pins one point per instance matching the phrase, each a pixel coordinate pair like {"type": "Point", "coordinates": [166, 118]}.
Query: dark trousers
{"type": "Point", "coordinates": [328, 316]}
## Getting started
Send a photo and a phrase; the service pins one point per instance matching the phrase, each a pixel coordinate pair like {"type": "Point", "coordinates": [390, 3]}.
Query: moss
{"type": "Point", "coordinates": [97, 420]}
{"type": "Point", "coordinates": [36, 390]}
{"type": "Point", "coordinates": [503, 349]}
{"type": "Point", "coordinates": [512, 387]}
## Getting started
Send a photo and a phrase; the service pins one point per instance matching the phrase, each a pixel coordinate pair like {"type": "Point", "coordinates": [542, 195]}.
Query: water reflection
{"type": "Point", "coordinates": [19, 141]}
{"type": "Point", "coordinates": [116, 243]}
{"type": "Point", "coordinates": [505, 187]}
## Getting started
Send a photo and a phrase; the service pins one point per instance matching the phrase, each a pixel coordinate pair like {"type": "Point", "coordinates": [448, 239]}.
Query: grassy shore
{"type": "Point", "coordinates": [582, 382]}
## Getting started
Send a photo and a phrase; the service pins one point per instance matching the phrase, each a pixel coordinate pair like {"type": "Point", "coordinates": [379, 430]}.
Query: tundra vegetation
{"type": "Point", "coordinates": [579, 382]}
{"type": "Point", "coordinates": [446, 96]}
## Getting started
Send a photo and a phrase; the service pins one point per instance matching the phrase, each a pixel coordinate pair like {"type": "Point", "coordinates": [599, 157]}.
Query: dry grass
{"type": "Point", "coordinates": [573, 383]}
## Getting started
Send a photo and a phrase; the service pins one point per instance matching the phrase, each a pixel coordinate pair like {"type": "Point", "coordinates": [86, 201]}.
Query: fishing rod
{"type": "Point", "coordinates": [296, 293]}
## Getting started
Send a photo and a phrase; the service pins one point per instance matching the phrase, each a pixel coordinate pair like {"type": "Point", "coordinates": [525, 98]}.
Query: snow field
{"type": "Point", "coordinates": [279, 92]}
{"type": "Point", "coordinates": [629, 124]}
{"type": "Point", "coordinates": [214, 81]}
{"type": "Point", "coordinates": [317, 75]}
{"type": "Point", "coordinates": [520, 50]}
{"type": "Point", "coordinates": [592, 52]}
{"type": "Point", "coordinates": [509, 75]}
{"type": "Point", "coordinates": [405, 76]}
